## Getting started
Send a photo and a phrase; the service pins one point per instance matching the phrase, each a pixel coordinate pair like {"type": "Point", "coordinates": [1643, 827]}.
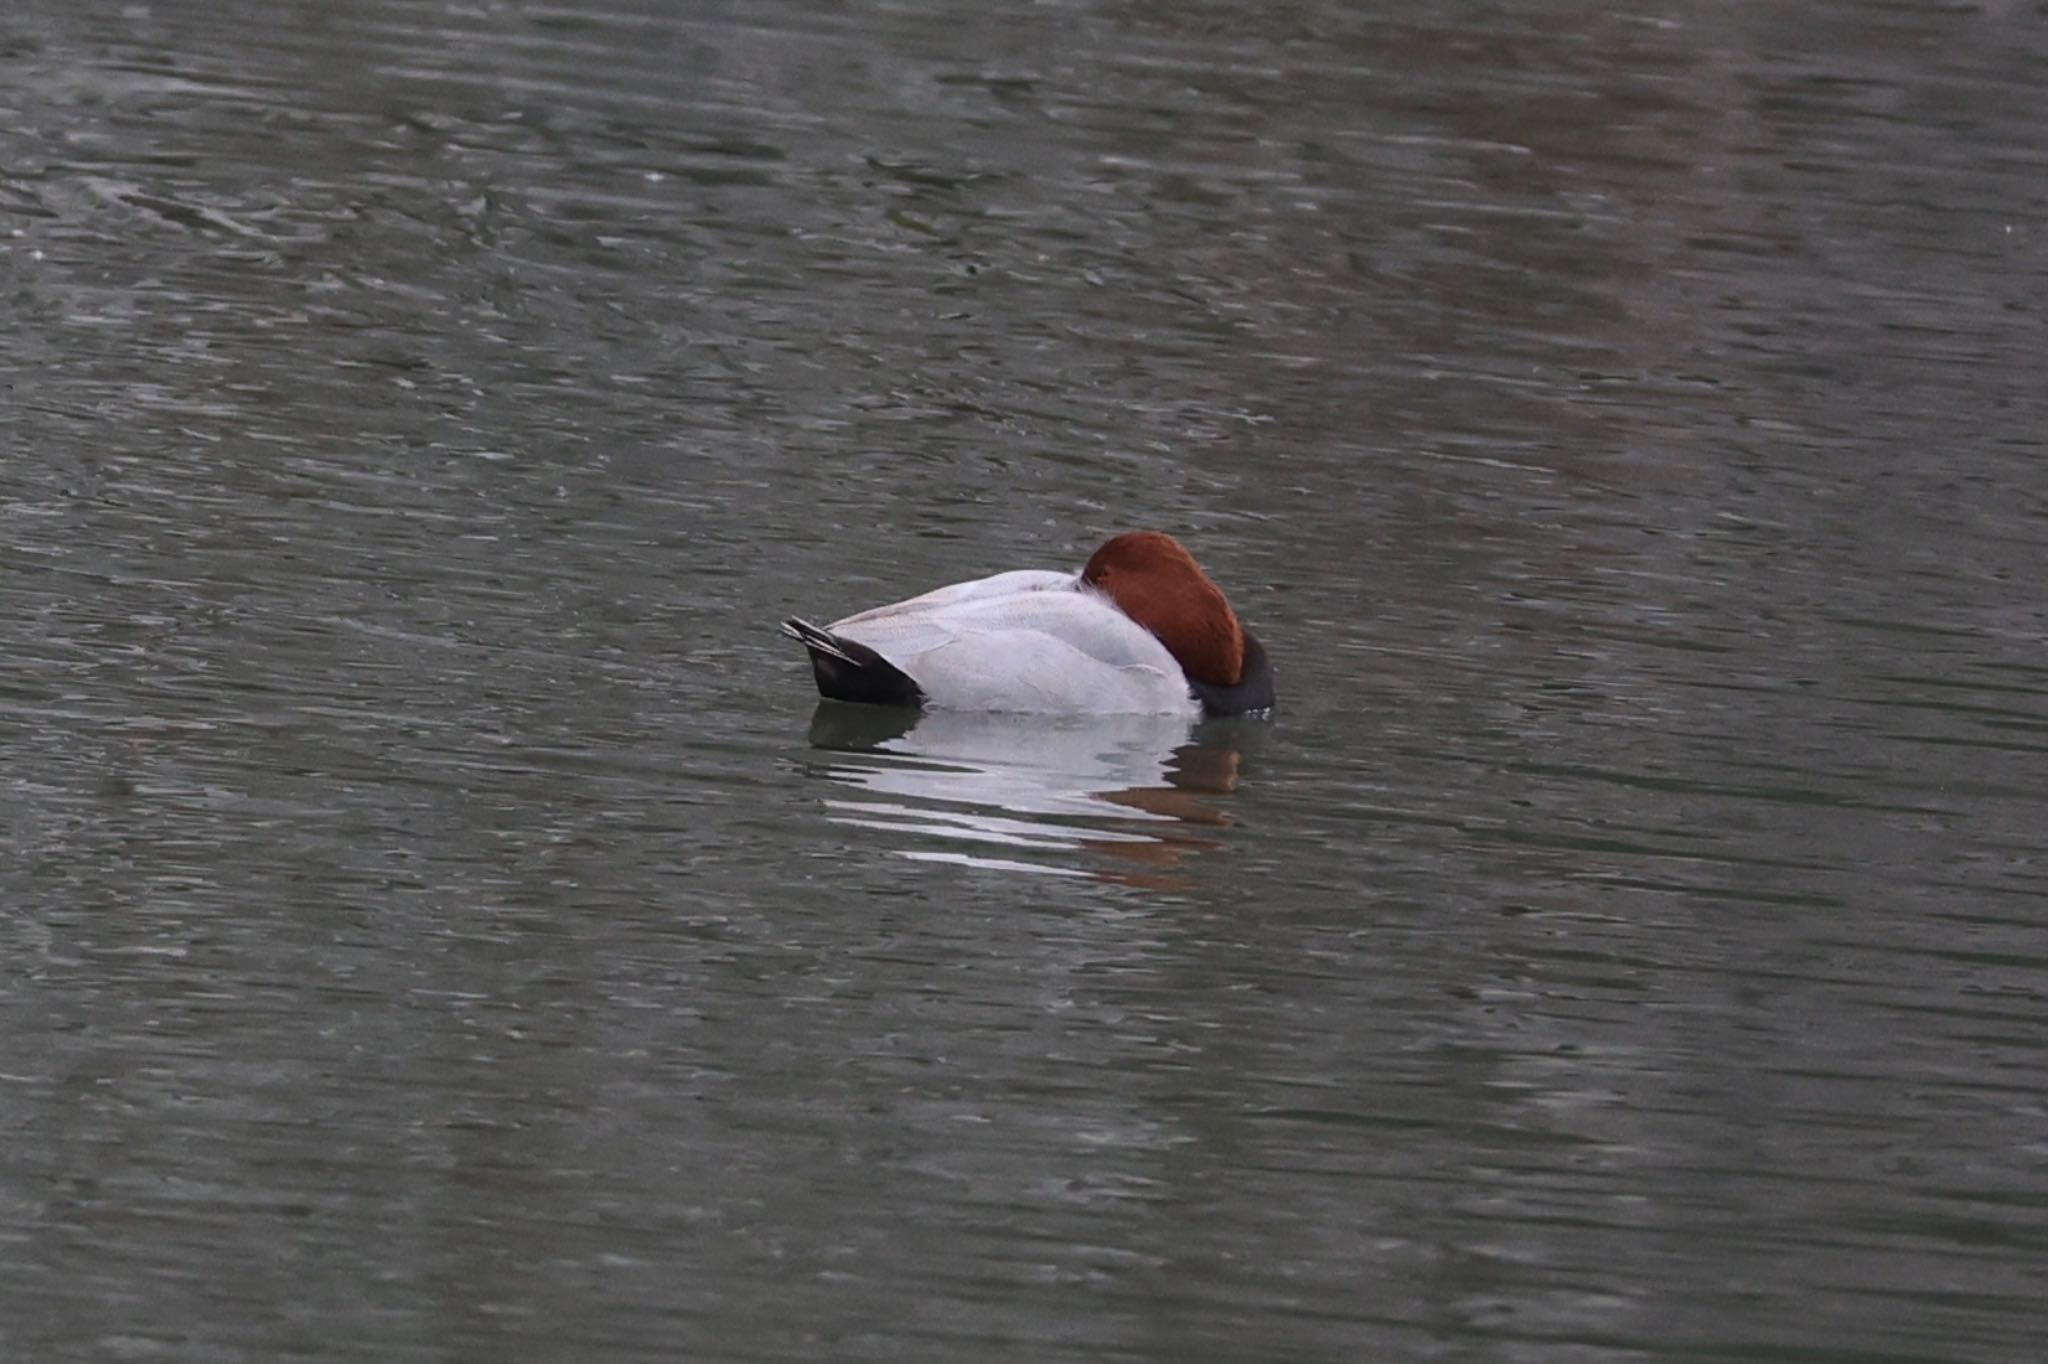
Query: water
{"type": "Point", "coordinates": [439, 922]}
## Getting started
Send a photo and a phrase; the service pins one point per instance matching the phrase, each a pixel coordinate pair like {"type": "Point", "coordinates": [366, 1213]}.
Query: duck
{"type": "Point", "coordinates": [1139, 630]}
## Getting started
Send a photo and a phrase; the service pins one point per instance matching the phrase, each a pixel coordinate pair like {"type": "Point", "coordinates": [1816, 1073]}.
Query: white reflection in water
{"type": "Point", "coordinates": [1126, 798]}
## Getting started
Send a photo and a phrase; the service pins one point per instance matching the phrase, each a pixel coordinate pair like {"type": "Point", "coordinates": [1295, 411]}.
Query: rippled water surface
{"type": "Point", "coordinates": [438, 921]}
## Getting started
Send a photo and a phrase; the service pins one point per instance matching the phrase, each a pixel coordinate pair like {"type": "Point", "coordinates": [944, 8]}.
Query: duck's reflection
{"type": "Point", "coordinates": [1126, 798]}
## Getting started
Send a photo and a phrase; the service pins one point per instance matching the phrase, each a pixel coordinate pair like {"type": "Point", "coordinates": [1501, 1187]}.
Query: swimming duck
{"type": "Point", "coordinates": [1139, 630]}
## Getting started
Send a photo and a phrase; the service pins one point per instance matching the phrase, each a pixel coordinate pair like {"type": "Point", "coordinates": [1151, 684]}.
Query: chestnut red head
{"type": "Point", "coordinates": [1158, 584]}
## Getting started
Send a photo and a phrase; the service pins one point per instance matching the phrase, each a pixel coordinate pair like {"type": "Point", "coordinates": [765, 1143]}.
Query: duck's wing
{"type": "Point", "coordinates": [997, 587]}
{"type": "Point", "coordinates": [1035, 648]}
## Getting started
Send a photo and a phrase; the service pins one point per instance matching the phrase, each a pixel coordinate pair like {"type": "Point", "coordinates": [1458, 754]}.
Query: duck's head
{"type": "Point", "coordinates": [1157, 583]}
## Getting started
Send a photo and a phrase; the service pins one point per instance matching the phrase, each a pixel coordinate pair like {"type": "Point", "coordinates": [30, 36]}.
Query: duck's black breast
{"type": "Point", "coordinates": [1254, 690]}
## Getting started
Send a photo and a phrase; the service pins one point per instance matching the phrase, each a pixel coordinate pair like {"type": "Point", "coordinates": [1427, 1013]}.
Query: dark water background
{"type": "Point", "coordinates": [435, 926]}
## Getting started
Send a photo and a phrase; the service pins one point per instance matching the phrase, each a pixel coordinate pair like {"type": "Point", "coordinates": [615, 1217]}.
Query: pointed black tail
{"type": "Point", "coordinates": [848, 670]}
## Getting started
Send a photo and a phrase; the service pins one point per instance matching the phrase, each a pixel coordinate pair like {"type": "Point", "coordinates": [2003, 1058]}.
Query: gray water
{"type": "Point", "coordinates": [438, 922]}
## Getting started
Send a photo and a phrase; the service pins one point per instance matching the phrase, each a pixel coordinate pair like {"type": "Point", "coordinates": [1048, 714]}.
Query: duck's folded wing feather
{"type": "Point", "coordinates": [1032, 649]}
{"type": "Point", "coordinates": [996, 587]}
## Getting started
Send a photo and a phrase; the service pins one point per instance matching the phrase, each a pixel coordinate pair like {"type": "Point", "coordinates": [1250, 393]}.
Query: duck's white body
{"type": "Point", "coordinates": [1139, 631]}
{"type": "Point", "coordinates": [1029, 641]}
